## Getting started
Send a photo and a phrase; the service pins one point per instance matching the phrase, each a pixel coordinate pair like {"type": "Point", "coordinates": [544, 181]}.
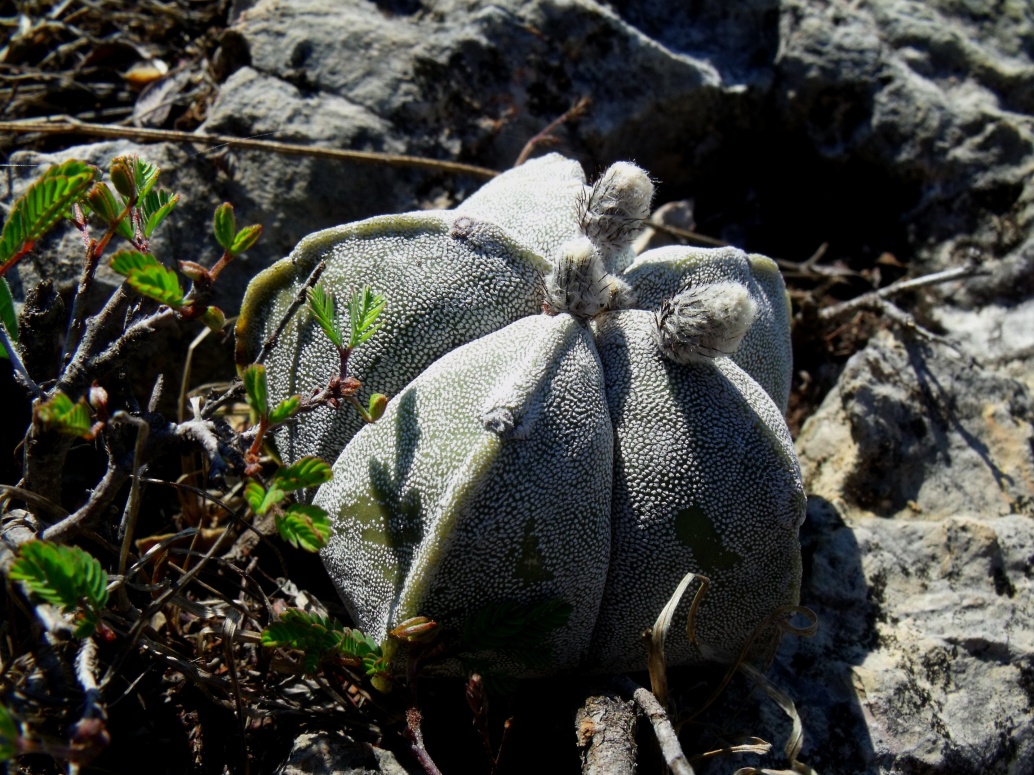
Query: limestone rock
{"type": "Point", "coordinates": [335, 753]}
{"type": "Point", "coordinates": [917, 553]}
{"type": "Point", "coordinates": [915, 432]}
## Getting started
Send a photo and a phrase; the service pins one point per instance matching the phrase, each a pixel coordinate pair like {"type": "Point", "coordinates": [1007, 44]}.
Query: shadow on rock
{"type": "Point", "coordinates": [917, 559]}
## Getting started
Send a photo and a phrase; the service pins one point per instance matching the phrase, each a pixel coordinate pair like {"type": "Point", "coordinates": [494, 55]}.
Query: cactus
{"type": "Point", "coordinates": [572, 428]}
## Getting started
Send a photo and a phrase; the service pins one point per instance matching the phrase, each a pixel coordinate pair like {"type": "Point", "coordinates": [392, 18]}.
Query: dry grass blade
{"type": "Point", "coordinates": [659, 633]}
{"type": "Point", "coordinates": [756, 746]}
{"type": "Point", "coordinates": [796, 739]}
{"type": "Point", "coordinates": [780, 619]}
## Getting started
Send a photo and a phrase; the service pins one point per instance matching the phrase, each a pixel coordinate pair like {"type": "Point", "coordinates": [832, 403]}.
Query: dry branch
{"type": "Point", "coordinates": [648, 706]}
{"type": "Point", "coordinates": [66, 125]}
{"type": "Point", "coordinates": [605, 726]}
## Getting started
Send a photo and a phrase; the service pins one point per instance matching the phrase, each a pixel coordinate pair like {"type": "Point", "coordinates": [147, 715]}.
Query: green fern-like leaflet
{"type": "Point", "coordinates": [148, 277]}
{"type": "Point", "coordinates": [304, 526]}
{"type": "Point", "coordinates": [43, 205]}
{"type": "Point", "coordinates": [363, 311]}
{"type": "Point", "coordinates": [66, 577]}
{"type": "Point", "coordinates": [319, 637]}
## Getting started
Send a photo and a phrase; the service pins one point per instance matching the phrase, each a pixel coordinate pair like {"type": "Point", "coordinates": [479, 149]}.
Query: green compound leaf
{"type": "Point", "coordinates": [359, 646]}
{"type": "Point", "coordinates": [285, 410]}
{"type": "Point", "coordinates": [60, 414]}
{"type": "Point", "coordinates": [306, 472]}
{"type": "Point", "coordinates": [148, 277]}
{"type": "Point", "coordinates": [125, 262]}
{"type": "Point", "coordinates": [122, 177]}
{"type": "Point", "coordinates": [254, 494]}
{"type": "Point", "coordinates": [245, 239]}
{"type": "Point", "coordinates": [224, 225]}
{"type": "Point", "coordinates": [321, 304]}
{"type": "Point", "coordinates": [304, 527]}
{"type": "Point", "coordinates": [317, 636]}
{"type": "Point", "coordinates": [102, 202]}
{"type": "Point", "coordinates": [7, 314]}
{"type": "Point", "coordinates": [43, 205]}
{"type": "Point", "coordinates": [260, 499]}
{"type": "Point", "coordinates": [313, 634]}
{"type": "Point", "coordinates": [375, 409]}
{"type": "Point", "coordinates": [256, 389]}
{"type": "Point", "coordinates": [64, 576]}
{"type": "Point", "coordinates": [214, 318]}
{"type": "Point", "coordinates": [158, 283]}
{"type": "Point", "coordinates": [145, 175]}
{"type": "Point", "coordinates": [154, 207]}
{"type": "Point", "coordinates": [9, 735]}
{"type": "Point", "coordinates": [363, 311]}
{"type": "Point", "coordinates": [518, 630]}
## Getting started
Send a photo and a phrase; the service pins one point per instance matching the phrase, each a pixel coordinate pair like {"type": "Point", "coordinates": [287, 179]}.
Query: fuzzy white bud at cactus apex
{"type": "Point", "coordinates": [580, 284]}
{"type": "Point", "coordinates": [703, 322]}
{"type": "Point", "coordinates": [614, 212]}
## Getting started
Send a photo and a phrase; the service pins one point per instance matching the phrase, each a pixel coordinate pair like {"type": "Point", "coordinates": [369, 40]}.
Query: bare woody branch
{"type": "Point", "coordinates": [648, 706]}
{"type": "Point", "coordinates": [67, 125]}
{"type": "Point", "coordinates": [605, 726]}
{"type": "Point", "coordinates": [873, 299]}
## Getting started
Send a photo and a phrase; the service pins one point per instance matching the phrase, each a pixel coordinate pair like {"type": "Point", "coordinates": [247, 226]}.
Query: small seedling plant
{"type": "Point", "coordinates": [96, 601]}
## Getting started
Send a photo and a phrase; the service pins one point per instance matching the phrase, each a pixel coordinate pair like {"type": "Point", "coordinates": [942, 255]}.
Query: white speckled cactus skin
{"type": "Point", "coordinates": [544, 442]}
{"type": "Point", "coordinates": [481, 482]}
{"type": "Point", "coordinates": [706, 479]}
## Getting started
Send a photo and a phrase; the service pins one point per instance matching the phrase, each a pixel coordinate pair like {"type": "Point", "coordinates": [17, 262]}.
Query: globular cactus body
{"type": "Point", "coordinates": [549, 457]}
{"type": "Point", "coordinates": [706, 480]}
{"type": "Point", "coordinates": [486, 481]}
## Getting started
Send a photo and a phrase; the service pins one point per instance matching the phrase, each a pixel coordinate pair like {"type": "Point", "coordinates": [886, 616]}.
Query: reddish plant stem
{"type": "Point", "coordinates": [22, 252]}
{"type": "Point", "coordinates": [221, 264]}
{"type": "Point", "coordinates": [416, 741]}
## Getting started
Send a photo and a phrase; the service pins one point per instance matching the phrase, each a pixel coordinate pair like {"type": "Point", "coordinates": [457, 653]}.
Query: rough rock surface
{"type": "Point", "coordinates": [918, 551]}
{"type": "Point", "coordinates": [894, 125]}
{"type": "Point", "coordinates": [335, 753]}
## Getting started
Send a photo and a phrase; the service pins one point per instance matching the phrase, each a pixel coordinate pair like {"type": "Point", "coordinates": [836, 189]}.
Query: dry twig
{"type": "Point", "coordinates": [876, 300]}
{"type": "Point", "coordinates": [648, 706]}
{"type": "Point", "coordinates": [67, 125]}
{"type": "Point", "coordinates": [605, 726]}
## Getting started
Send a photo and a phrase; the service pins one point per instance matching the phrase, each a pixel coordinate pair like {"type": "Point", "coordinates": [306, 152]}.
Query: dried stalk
{"type": "Point", "coordinates": [296, 302]}
{"type": "Point", "coordinates": [68, 125]}
{"type": "Point", "coordinates": [605, 726]}
{"type": "Point", "coordinates": [648, 705]}
{"type": "Point", "coordinates": [875, 299]}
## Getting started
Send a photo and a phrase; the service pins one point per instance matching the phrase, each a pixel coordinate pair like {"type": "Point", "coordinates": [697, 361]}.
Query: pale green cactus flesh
{"type": "Point", "coordinates": [536, 202]}
{"type": "Point", "coordinates": [552, 462]}
{"type": "Point", "coordinates": [487, 481]}
{"type": "Point", "coordinates": [446, 279]}
{"type": "Point", "coordinates": [706, 481]}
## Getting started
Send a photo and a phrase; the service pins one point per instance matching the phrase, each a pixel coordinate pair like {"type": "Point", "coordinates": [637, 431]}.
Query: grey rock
{"type": "Point", "coordinates": [999, 336]}
{"type": "Point", "coordinates": [917, 550]}
{"type": "Point", "coordinates": [911, 431]}
{"type": "Point", "coordinates": [916, 113]}
{"type": "Point", "coordinates": [940, 96]}
{"type": "Point", "coordinates": [458, 77]}
{"type": "Point", "coordinates": [887, 122]}
{"type": "Point", "coordinates": [335, 753]}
